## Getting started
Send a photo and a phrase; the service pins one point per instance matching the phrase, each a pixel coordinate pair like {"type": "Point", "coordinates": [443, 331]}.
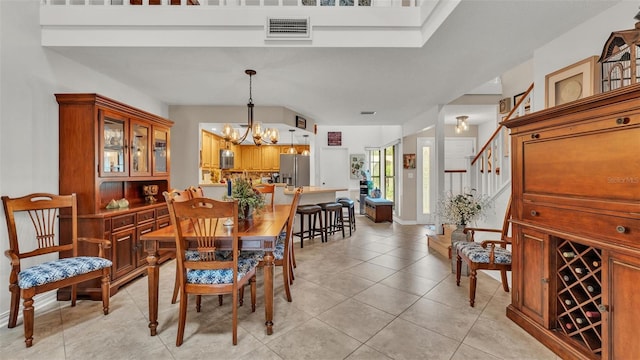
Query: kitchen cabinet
{"type": "Point", "coordinates": [271, 157]}
{"type": "Point", "coordinates": [576, 225]}
{"type": "Point", "coordinates": [108, 151]}
{"type": "Point", "coordinates": [206, 152]}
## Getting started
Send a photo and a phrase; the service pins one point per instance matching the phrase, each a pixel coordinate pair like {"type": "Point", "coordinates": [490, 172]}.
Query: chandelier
{"type": "Point", "coordinates": [461, 124]}
{"type": "Point", "coordinates": [255, 127]}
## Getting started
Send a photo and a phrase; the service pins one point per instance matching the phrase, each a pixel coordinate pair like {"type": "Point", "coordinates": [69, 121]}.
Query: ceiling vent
{"type": "Point", "coordinates": [291, 28]}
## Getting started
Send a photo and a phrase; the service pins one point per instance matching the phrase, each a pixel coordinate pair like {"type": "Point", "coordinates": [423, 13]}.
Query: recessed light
{"type": "Point", "coordinates": [367, 112]}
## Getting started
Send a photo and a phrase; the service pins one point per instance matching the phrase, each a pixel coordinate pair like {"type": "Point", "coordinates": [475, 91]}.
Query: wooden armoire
{"type": "Point", "coordinates": [109, 151]}
{"type": "Point", "coordinates": [576, 225]}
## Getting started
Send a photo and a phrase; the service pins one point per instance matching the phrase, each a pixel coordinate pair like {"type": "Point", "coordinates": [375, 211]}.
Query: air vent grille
{"type": "Point", "coordinates": [288, 28]}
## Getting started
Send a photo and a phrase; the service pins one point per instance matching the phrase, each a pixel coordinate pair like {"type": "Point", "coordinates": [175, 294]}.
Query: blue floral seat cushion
{"type": "Point", "coordinates": [476, 253]}
{"type": "Point", "coordinates": [61, 269]}
{"type": "Point", "coordinates": [221, 276]}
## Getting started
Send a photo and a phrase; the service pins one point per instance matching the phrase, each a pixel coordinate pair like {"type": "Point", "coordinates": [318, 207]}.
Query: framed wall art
{"type": "Point", "coordinates": [357, 165]}
{"type": "Point", "coordinates": [571, 83]}
{"type": "Point", "coordinates": [409, 161]}
{"type": "Point", "coordinates": [334, 138]}
{"type": "Point", "coordinates": [301, 123]}
{"type": "Point", "coordinates": [504, 105]}
{"type": "Point", "coordinates": [527, 104]}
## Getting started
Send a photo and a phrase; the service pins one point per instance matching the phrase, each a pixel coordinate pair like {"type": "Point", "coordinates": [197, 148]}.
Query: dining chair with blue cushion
{"type": "Point", "coordinates": [29, 277]}
{"type": "Point", "coordinates": [283, 253]}
{"type": "Point", "coordinates": [209, 273]}
{"type": "Point", "coordinates": [485, 255]}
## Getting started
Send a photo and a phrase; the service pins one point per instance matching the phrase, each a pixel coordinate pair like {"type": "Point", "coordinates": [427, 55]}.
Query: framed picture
{"type": "Point", "coordinates": [357, 165]}
{"type": "Point", "coordinates": [334, 138]}
{"type": "Point", "coordinates": [301, 123]}
{"type": "Point", "coordinates": [504, 105]}
{"type": "Point", "coordinates": [527, 104]}
{"type": "Point", "coordinates": [571, 83]}
{"type": "Point", "coordinates": [409, 161]}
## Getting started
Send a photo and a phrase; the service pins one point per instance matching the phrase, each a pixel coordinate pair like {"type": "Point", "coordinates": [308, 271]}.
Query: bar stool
{"type": "Point", "coordinates": [332, 218]}
{"type": "Point", "coordinates": [312, 212]}
{"type": "Point", "coordinates": [351, 212]}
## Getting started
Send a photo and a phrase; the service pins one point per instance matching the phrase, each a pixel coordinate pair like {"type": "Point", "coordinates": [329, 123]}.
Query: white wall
{"type": "Point", "coordinates": [30, 75]}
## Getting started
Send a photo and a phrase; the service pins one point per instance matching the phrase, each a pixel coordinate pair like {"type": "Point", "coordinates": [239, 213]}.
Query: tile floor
{"type": "Point", "coordinates": [379, 294]}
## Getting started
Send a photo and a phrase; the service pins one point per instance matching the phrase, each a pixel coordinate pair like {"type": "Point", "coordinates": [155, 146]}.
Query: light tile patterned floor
{"type": "Point", "coordinates": [379, 294]}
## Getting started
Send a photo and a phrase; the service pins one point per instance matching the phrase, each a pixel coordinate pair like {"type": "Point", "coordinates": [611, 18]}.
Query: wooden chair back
{"type": "Point", "coordinates": [266, 189]}
{"type": "Point", "coordinates": [179, 195]}
{"type": "Point", "coordinates": [43, 210]}
{"type": "Point", "coordinates": [196, 192]}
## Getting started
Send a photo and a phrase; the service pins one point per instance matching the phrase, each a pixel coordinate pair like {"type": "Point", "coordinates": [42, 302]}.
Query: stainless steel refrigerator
{"type": "Point", "coordinates": [294, 170]}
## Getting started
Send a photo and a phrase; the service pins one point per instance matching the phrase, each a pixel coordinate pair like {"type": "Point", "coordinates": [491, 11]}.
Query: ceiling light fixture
{"type": "Point", "coordinates": [259, 136]}
{"type": "Point", "coordinates": [461, 124]}
{"type": "Point", "coordinates": [292, 150]}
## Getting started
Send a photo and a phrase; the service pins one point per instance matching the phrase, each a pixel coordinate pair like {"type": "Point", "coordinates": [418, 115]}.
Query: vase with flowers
{"type": "Point", "coordinates": [249, 199]}
{"type": "Point", "coordinates": [461, 210]}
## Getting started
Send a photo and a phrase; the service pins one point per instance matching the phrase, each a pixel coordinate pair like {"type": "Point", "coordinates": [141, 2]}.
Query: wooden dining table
{"type": "Point", "coordinates": [259, 233]}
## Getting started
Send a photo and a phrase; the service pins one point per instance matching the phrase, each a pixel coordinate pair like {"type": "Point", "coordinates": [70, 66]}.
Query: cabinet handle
{"type": "Point", "coordinates": [623, 121]}
{"type": "Point", "coordinates": [603, 308]}
{"type": "Point", "coordinates": [534, 213]}
{"type": "Point", "coordinates": [535, 136]}
{"type": "Point", "coordinates": [545, 280]}
{"type": "Point", "coordinates": [621, 229]}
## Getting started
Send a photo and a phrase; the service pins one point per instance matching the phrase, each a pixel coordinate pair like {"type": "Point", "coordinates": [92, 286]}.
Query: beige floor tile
{"type": "Point", "coordinates": [387, 299]}
{"type": "Point", "coordinates": [356, 319]}
{"type": "Point", "coordinates": [404, 340]}
{"type": "Point", "coordinates": [391, 261]}
{"type": "Point", "coordinates": [365, 352]}
{"type": "Point", "coordinates": [344, 283]}
{"type": "Point", "coordinates": [314, 340]}
{"type": "Point", "coordinates": [314, 299]}
{"type": "Point", "coordinates": [438, 317]}
{"type": "Point", "coordinates": [409, 282]}
{"type": "Point", "coordinates": [466, 352]}
{"type": "Point", "coordinates": [370, 271]}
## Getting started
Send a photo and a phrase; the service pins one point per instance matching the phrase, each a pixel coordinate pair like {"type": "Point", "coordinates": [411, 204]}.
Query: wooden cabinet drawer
{"type": "Point", "coordinates": [625, 231]}
{"type": "Point", "coordinates": [598, 165]}
{"type": "Point", "coordinates": [162, 211]}
{"type": "Point", "coordinates": [123, 221]}
{"type": "Point", "coordinates": [145, 216]}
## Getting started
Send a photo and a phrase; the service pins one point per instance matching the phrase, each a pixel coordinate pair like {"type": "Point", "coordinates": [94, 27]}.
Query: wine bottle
{"type": "Point", "coordinates": [569, 254]}
{"type": "Point", "coordinates": [569, 326]}
{"type": "Point", "coordinates": [592, 314]}
{"type": "Point", "coordinates": [569, 302]}
{"type": "Point", "coordinates": [595, 263]}
{"type": "Point", "coordinates": [592, 288]}
{"type": "Point", "coordinates": [580, 270]}
{"type": "Point", "coordinates": [580, 320]}
{"type": "Point", "coordinates": [566, 278]}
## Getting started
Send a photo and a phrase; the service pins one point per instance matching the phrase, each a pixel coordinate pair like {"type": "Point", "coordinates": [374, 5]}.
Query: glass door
{"type": "Point", "coordinates": [160, 152]}
{"type": "Point", "coordinates": [113, 142]}
{"type": "Point", "coordinates": [140, 158]}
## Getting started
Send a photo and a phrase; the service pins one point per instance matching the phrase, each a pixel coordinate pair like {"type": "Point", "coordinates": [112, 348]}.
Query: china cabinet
{"type": "Point", "coordinates": [108, 151]}
{"type": "Point", "coordinates": [576, 225]}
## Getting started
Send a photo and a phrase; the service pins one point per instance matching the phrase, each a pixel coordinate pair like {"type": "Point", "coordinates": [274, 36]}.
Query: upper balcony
{"type": "Point", "coordinates": [242, 23]}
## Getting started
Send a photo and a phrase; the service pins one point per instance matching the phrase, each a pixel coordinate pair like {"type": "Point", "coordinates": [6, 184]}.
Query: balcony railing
{"type": "Point", "coordinates": [259, 3]}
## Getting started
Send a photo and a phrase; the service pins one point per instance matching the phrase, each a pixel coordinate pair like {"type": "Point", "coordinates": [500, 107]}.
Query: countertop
{"type": "Point", "coordinates": [314, 190]}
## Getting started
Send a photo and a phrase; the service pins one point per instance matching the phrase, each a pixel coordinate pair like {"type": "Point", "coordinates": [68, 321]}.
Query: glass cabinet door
{"type": "Point", "coordinates": [160, 146]}
{"type": "Point", "coordinates": [140, 159]}
{"type": "Point", "coordinates": [113, 160]}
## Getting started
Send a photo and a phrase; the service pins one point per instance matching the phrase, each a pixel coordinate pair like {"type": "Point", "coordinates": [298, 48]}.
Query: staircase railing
{"type": "Point", "coordinates": [490, 170]}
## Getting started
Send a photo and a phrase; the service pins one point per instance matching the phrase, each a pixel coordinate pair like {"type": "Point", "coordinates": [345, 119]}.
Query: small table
{"type": "Point", "coordinates": [260, 233]}
{"type": "Point", "coordinates": [378, 209]}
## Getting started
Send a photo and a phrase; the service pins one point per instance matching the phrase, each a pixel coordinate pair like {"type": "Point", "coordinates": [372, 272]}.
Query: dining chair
{"type": "Point", "coordinates": [283, 254]}
{"type": "Point", "coordinates": [184, 195]}
{"type": "Point", "coordinates": [29, 277]}
{"type": "Point", "coordinates": [485, 255]}
{"type": "Point", "coordinates": [205, 272]}
{"type": "Point", "coordinates": [266, 189]}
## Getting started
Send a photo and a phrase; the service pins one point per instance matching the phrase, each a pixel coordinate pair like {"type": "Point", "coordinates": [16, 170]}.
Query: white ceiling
{"type": "Point", "coordinates": [477, 43]}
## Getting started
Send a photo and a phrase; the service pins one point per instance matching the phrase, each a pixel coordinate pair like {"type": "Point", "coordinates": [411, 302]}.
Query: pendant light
{"type": "Point", "coordinates": [306, 151]}
{"type": "Point", "coordinates": [255, 127]}
{"type": "Point", "coordinates": [291, 150]}
{"type": "Point", "coordinates": [461, 124]}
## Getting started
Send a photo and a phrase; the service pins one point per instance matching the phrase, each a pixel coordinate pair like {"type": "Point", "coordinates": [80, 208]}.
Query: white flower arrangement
{"type": "Point", "coordinates": [461, 209]}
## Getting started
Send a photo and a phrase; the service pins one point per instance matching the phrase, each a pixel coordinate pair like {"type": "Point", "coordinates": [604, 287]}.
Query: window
{"type": "Point", "coordinates": [374, 165]}
{"type": "Point", "coordinates": [389, 173]}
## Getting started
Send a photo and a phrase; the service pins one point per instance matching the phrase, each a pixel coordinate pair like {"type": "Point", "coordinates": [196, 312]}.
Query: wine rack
{"type": "Point", "coordinates": [579, 294]}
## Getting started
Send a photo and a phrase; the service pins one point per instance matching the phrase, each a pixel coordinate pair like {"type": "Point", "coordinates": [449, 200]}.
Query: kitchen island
{"type": "Point", "coordinates": [310, 194]}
